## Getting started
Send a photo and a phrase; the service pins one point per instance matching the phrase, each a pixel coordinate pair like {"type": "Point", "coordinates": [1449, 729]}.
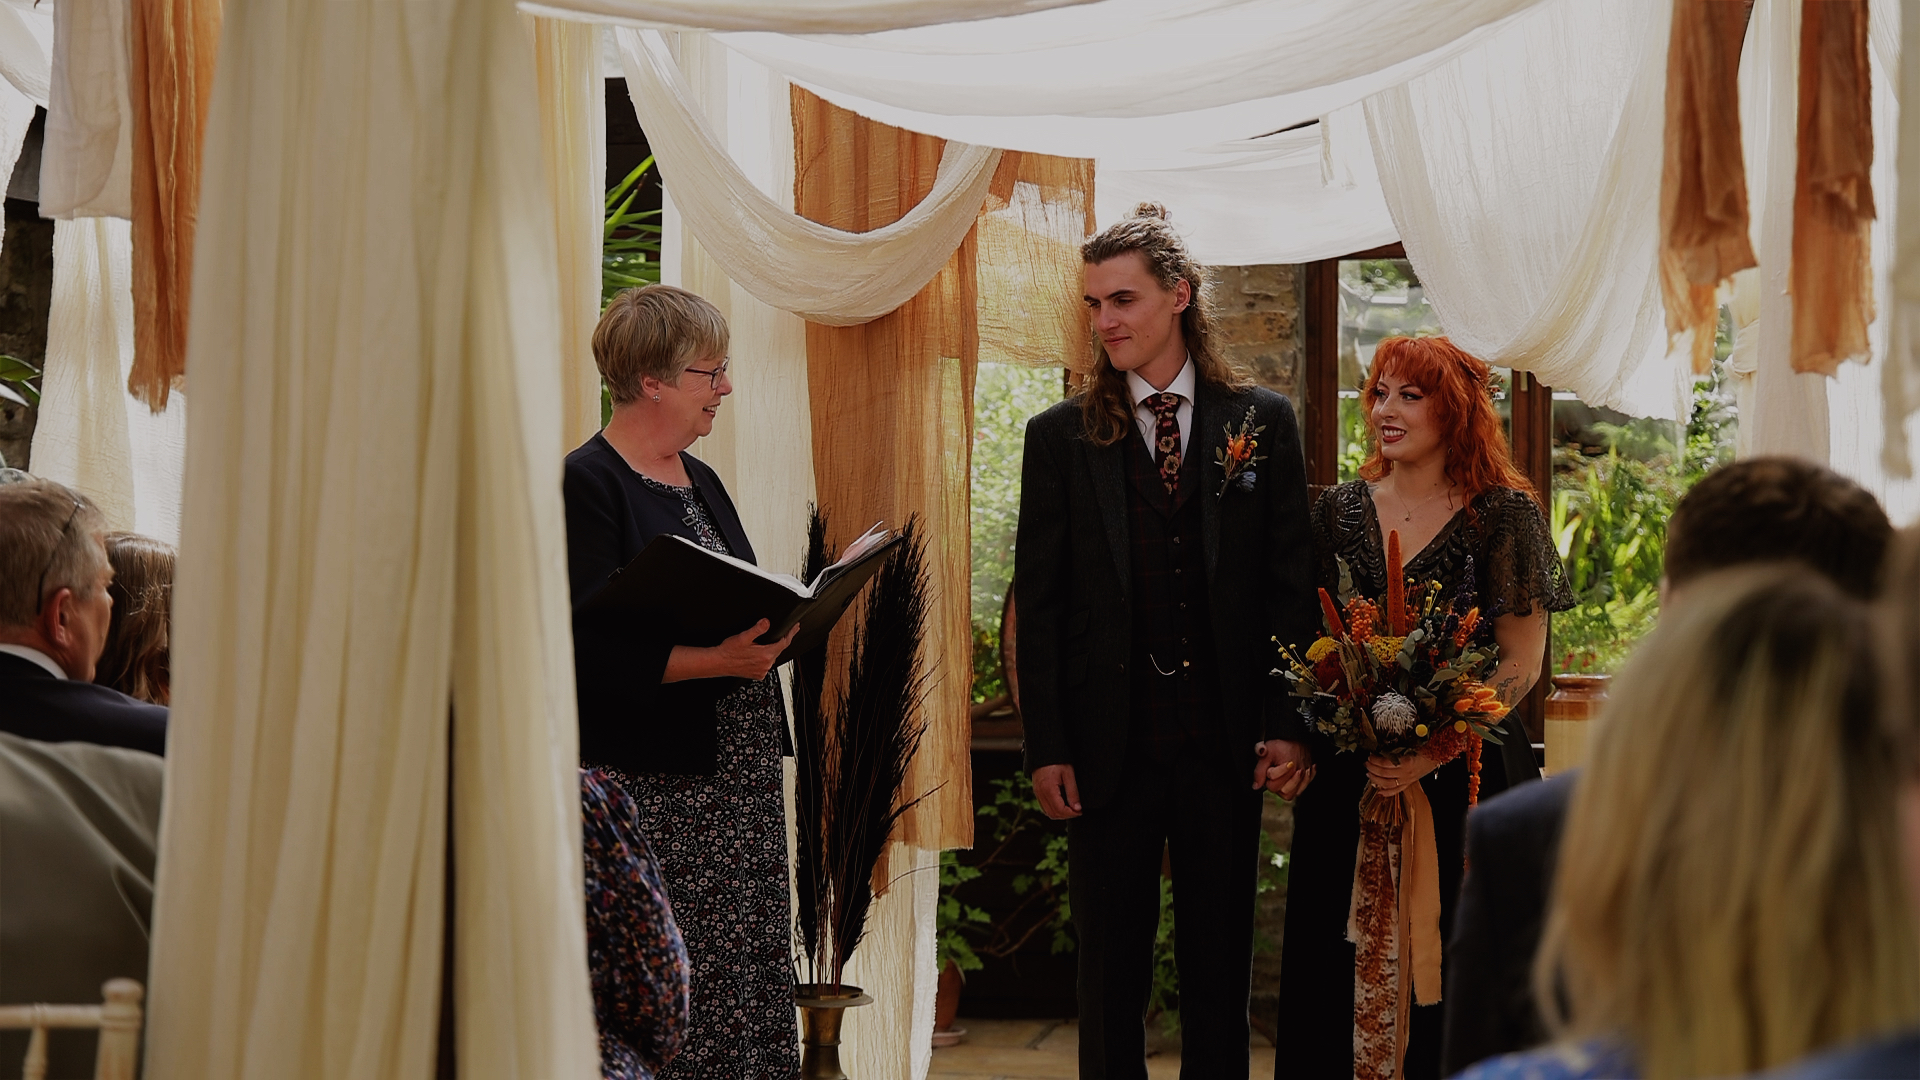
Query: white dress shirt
{"type": "Point", "coordinates": [26, 652]}
{"type": "Point", "coordinates": [1182, 385]}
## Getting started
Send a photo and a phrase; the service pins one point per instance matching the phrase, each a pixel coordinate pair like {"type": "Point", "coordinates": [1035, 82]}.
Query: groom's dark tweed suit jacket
{"type": "Point", "coordinates": [1072, 570]}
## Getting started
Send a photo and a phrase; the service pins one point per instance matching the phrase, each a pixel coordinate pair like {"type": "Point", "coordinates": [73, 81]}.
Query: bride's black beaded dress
{"type": "Point", "coordinates": [1503, 540]}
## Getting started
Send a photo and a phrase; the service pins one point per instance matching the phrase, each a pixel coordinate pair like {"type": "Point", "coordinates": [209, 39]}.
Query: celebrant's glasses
{"type": "Point", "coordinates": [40, 590]}
{"type": "Point", "coordinates": [713, 376]}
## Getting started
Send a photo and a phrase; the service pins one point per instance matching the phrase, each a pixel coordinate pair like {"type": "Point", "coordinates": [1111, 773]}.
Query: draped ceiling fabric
{"type": "Point", "coordinates": [573, 147]}
{"type": "Point", "coordinates": [26, 45]}
{"type": "Point", "coordinates": [1542, 253]}
{"type": "Point", "coordinates": [789, 16]}
{"type": "Point", "coordinates": [826, 275]}
{"type": "Point", "coordinates": [1703, 182]}
{"type": "Point", "coordinates": [86, 162]}
{"type": "Point", "coordinates": [1833, 207]}
{"type": "Point", "coordinates": [91, 434]}
{"type": "Point", "coordinates": [1900, 377]}
{"type": "Point", "coordinates": [372, 632]}
{"type": "Point", "coordinates": [172, 44]}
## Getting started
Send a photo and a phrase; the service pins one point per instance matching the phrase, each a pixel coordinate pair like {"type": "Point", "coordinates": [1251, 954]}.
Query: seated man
{"type": "Point", "coordinates": [78, 825]}
{"type": "Point", "coordinates": [1753, 511]}
{"type": "Point", "coordinates": [54, 614]}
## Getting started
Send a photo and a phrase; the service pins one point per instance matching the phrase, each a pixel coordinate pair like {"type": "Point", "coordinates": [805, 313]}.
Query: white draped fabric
{"type": "Point", "coordinates": [371, 650]}
{"type": "Point", "coordinates": [762, 447]}
{"type": "Point", "coordinates": [1900, 308]}
{"type": "Point", "coordinates": [788, 16]}
{"type": "Point", "coordinates": [26, 48]}
{"type": "Point", "coordinates": [91, 433]}
{"type": "Point", "coordinates": [86, 163]}
{"type": "Point", "coordinates": [822, 274]}
{"type": "Point", "coordinates": [1524, 176]}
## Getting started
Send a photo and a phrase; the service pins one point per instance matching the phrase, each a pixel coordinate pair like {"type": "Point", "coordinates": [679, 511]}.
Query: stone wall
{"type": "Point", "coordinates": [1257, 309]}
{"type": "Point", "coordinates": [26, 295]}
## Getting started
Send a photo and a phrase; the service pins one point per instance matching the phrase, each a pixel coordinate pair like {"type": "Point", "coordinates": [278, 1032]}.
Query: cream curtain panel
{"type": "Point", "coordinates": [825, 275]}
{"type": "Point", "coordinates": [91, 434]}
{"type": "Point", "coordinates": [1900, 308]}
{"type": "Point", "coordinates": [26, 48]}
{"type": "Point", "coordinates": [86, 165]}
{"type": "Point", "coordinates": [789, 16]}
{"type": "Point", "coordinates": [1540, 252]}
{"type": "Point", "coordinates": [372, 628]}
{"type": "Point", "coordinates": [573, 147]}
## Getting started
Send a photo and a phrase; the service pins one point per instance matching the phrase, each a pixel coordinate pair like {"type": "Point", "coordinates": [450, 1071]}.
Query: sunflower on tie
{"type": "Point", "coordinates": [1241, 454]}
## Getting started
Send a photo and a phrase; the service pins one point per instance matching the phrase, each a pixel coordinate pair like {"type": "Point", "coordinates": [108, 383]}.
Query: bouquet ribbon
{"type": "Point", "coordinates": [1393, 920]}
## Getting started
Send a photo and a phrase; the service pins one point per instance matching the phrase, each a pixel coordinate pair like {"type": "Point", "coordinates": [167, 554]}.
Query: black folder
{"type": "Point", "coordinates": [709, 597]}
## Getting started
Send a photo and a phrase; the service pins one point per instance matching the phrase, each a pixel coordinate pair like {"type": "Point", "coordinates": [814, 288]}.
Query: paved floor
{"type": "Point", "coordinates": [1045, 1050]}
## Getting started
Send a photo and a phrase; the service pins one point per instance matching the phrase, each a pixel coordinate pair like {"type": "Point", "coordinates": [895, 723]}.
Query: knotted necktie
{"type": "Point", "coordinates": [1166, 438]}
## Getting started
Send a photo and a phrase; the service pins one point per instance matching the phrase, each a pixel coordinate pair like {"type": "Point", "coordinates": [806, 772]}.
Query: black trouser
{"type": "Point", "coordinates": [1207, 815]}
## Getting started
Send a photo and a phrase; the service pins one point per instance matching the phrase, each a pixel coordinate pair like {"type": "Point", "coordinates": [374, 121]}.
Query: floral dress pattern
{"type": "Point", "coordinates": [722, 845]}
{"type": "Point", "coordinates": [635, 954]}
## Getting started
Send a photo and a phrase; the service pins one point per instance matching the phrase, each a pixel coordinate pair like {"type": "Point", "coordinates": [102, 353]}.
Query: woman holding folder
{"type": "Point", "coordinates": [694, 733]}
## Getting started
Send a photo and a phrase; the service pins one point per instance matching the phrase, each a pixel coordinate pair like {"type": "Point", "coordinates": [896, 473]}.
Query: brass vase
{"type": "Point", "coordinates": [821, 1010]}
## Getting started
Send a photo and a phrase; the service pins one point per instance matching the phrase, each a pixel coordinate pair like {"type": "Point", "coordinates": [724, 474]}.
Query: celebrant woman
{"type": "Point", "coordinates": [694, 733]}
{"type": "Point", "coordinates": [1441, 477]}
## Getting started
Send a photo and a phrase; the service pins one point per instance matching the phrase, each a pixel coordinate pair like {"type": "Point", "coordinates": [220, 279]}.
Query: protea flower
{"type": "Point", "coordinates": [1393, 714]}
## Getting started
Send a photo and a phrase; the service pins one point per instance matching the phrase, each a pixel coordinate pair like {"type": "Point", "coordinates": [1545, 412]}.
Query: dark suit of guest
{"type": "Point", "coordinates": [1513, 840]}
{"type": "Point", "coordinates": [1147, 621]}
{"type": "Point", "coordinates": [36, 704]}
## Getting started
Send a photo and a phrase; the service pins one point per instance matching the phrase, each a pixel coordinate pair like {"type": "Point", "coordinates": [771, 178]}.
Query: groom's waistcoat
{"type": "Point", "coordinates": [1174, 670]}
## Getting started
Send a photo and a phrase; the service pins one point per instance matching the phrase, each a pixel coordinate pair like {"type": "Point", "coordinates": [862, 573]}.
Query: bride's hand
{"type": "Point", "coordinates": [1391, 778]}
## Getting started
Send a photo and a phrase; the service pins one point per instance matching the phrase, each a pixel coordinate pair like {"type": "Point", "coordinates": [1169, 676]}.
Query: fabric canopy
{"type": "Point", "coordinates": [823, 274]}
{"type": "Point", "coordinates": [26, 48]}
{"type": "Point", "coordinates": [788, 16]}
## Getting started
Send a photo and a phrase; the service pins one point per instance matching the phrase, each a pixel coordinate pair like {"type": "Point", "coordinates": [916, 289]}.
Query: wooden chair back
{"type": "Point", "coordinates": [117, 1017]}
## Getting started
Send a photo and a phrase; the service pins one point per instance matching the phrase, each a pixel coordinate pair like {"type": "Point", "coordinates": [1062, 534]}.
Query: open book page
{"type": "Point", "coordinates": [787, 580]}
{"type": "Point", "coordinates": [868, 540]}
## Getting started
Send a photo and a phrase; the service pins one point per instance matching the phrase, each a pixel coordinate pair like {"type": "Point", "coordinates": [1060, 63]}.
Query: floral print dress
{"type": "Point", "coordinates": [721, 841]}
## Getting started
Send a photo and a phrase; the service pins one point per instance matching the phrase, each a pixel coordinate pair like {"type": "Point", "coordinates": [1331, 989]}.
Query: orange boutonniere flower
{"type": "Point", "coordinates": [1240, 455]}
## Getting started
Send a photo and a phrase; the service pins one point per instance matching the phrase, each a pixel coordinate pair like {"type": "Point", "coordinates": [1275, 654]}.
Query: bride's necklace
{"type": "Point", "coordinates": [1422, 504]}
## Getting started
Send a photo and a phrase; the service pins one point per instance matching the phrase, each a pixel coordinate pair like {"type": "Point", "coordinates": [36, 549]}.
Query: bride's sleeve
{"type": "Point", "coordinates": [1524, 573]}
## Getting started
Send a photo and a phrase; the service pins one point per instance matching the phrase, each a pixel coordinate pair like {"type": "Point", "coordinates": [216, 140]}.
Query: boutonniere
{"type": "Point", "coordinates": [1240, 455]}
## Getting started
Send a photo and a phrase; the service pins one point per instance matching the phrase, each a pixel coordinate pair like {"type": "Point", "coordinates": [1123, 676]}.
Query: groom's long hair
{"type": "Point", "coordinates": [1104, 401]}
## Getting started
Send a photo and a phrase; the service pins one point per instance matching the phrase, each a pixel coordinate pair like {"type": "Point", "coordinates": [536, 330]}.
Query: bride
{"type": "Point", "coordinates": [1440, 475]}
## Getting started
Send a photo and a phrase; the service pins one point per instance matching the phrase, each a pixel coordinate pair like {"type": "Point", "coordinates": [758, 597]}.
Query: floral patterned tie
{"type": "Point", "coordinates": [1166, 438]}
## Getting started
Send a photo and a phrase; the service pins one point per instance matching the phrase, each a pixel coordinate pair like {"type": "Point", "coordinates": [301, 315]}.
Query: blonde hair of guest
{"type": "Point", "coordinates": [1729, 894]}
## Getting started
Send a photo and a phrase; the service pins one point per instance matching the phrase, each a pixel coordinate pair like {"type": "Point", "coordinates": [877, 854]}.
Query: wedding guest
{"type": "Point", "coordinates": [55, 608]}
{"type": "Point", "coordinates": [1152, 580]}
{"type": "Point", "coordinates": [635, 955]}
{"type": "Point", "coordinates": [1729, 893]}
{"type": "Point", "coordinates": [78, 829]}
{"type": "Point", "coordinates": [1758, 510]}
{"type": "Point", "coordinates": [1895, 1056]}
{"type": "Point", "coordinates": [1440, 475]}
{"type": "Point", "coordinates": [135, 660]}
{"type": "Point", "coordinates": [693, 732]}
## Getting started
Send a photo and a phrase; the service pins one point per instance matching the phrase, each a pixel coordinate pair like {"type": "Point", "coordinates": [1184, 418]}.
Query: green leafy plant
{"type": "Point", "coordinates": [949, 942]}
{"type": "Point", "coordinates": [629, 250]}
{"type": "Point", "coordinates": [17, 382]}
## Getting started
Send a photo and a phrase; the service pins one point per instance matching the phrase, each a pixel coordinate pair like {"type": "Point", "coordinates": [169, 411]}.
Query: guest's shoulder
{"type": "Point", "coordinates": [1896, 1058]}
{"type": "Point", "coordinates": [1583, 1061]}
{"type": "Point", "coordinates": [1530, 801]}
{"type": "Point", "coordinates": [127, 780]}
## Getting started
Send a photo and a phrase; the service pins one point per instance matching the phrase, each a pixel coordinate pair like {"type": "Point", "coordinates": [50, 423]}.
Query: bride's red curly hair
{"type": "Point", "coordinates": [1458, 386]}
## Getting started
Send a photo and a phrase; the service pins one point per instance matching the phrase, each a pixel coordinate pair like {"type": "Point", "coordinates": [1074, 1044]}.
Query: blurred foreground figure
{"type": "Point", "coordinates": [136, 660]}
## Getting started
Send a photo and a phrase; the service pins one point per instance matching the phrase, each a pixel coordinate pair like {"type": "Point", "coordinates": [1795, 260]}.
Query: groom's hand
{"type": "Point", "coordinates": [1059, 795]}
{"type": "Point", "coordinates": [1284, 768]}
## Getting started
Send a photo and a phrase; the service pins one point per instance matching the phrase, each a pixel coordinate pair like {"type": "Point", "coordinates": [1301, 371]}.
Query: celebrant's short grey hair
{"type": "Point", "coordinates": [46, 525]}
{"type": "Point", "coordinates": [655, 332]}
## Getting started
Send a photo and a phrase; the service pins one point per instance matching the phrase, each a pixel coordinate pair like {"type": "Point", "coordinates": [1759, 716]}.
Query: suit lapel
{"type": "Point", "coordinates": [1209, 440]}
{"type": "Point", "coordinates": [1109, 470]}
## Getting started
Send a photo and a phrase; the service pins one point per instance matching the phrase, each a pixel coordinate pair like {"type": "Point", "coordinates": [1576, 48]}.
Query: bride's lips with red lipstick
{"type": "Point", "coordinates": [1392, 434]}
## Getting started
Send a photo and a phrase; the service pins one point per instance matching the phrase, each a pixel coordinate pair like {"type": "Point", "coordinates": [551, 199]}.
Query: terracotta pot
{"type": "Point", "coordinates": [821, 1010]}
{"type": "Point", "coordinates": [1575, 701]}
{"type": "Point", "coordinates": [946, 1005]}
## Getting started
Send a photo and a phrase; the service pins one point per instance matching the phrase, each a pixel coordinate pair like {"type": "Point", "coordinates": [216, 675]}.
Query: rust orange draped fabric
{"type": "Point", "coordinates": [1833, 188]}
{"type": "Point", "coordinates": [892, 405]}
{"type": "Point", "coordinates": [1393, 920]}
{"type": "Point", "coordinates": [1703, 182]}
{"type": "Point", "coordinates": [174, 44]}
{"type": "Point", "coordinates": [892, 399]}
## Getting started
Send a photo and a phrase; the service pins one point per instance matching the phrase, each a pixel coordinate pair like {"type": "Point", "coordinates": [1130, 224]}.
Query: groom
{"type": "Point", "coordinates": [1153, 570]}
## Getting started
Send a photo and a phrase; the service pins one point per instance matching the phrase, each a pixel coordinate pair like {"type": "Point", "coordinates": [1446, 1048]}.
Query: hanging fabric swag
{"type": "Point", "coordinates": [1703, 181]}
{"type": "Point", "coordinates": [174, 44]}
{"type": "Point", "coordinates": [1833, 188]}
{"type": "Point", "coordinates": [826, 275]}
